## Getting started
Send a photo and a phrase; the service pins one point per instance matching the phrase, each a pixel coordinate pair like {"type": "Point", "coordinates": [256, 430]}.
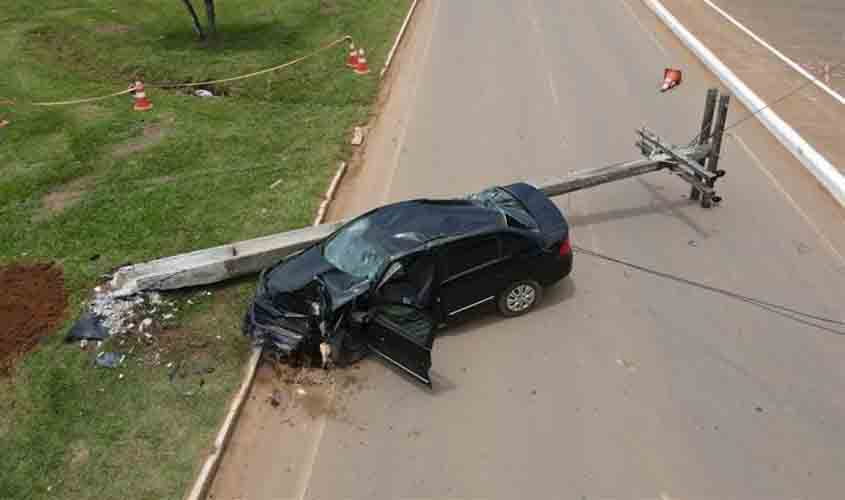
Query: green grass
{"type": "Point", "coordinates": [189, 174]}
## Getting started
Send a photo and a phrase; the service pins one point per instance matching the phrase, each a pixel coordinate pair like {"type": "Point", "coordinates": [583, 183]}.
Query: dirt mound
{"type": "Point", "coordinates": [32, 305]}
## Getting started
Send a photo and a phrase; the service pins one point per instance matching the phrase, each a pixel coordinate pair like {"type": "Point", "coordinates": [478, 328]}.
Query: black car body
{"type": "Point", "coordinates": [384, 281]}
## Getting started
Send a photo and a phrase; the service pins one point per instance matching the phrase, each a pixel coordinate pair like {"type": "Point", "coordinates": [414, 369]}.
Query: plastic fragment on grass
{"type": "Point", "coordinates": [110, 359]}
{"type": "Point", "coordinates": [87, 327]}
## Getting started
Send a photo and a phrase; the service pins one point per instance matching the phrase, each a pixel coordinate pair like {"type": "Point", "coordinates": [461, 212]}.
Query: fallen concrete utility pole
{"type": "Point", "coordinates": [212, 265]}
{"type": "Point", "coordinates": [696, 164]}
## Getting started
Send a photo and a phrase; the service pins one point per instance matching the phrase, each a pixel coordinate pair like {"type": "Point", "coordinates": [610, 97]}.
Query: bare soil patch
{"type": "Point", "coordinates": [328, 7]}
{"type": "Point", "coordinates": [79, 454]}
{"type": "Point", "coordinates": [32, 305]}
{"type": "Point", "coordinates": [112, 28]}
{"type": "Point", "coordinates": [152, 135]}
{"type": "Point", "coordinates": [56, 202]}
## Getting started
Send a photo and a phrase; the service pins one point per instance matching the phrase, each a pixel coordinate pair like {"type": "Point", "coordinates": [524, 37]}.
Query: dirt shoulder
{"type": "Point", "coordinates": [813, 113]}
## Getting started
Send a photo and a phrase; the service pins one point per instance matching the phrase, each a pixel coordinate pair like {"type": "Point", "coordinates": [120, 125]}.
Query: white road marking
{"type": "Point", "coordinates": [643, 27]}
{"type": "Point", "coordinates": [550, 79]}
{"type": "Point", "coordinates": [535, 24]}
{"type": "Point", "coordinates": [792, 64]}
{"type": "Point", "coordinates": [762, 168]}
{"type": "Point", "coordinates": [308, 468]}
{"type": "Point", "coordinates": [552, 89]}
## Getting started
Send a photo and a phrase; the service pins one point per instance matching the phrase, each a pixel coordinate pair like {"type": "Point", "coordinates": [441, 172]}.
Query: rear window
{"type": "Point", "coordinates": [513, 210]}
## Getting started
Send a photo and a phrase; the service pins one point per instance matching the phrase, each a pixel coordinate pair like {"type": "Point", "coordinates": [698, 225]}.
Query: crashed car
{"type": "Point", "coordinates": [385, 281]}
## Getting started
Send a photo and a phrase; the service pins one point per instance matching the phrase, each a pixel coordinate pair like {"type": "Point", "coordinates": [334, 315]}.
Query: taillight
{"type": "Point", "coordinates": [565, 247]}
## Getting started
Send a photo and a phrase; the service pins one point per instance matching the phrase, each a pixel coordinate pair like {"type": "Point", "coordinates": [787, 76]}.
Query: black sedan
{"type": "Point", "coordinates": [385, 281]}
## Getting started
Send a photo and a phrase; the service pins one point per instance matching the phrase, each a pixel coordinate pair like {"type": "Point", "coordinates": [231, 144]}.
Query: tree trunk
{"type": "Point", "coordinates": [212, 17]}
{"type": "Point", "coordinates": [195, 18]}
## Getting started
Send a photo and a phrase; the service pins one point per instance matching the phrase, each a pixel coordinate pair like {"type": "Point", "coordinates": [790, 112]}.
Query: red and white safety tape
{"type": "Point", "coordinates": [192, 84]}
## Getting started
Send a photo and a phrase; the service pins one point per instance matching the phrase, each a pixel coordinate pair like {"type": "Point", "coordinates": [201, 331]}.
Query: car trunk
{"type": "Point", "coordinates": [550, 220]}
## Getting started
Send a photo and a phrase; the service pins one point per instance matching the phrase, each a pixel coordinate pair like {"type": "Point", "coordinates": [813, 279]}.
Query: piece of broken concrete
{"type": "Point", "coordinates": [358, 136]}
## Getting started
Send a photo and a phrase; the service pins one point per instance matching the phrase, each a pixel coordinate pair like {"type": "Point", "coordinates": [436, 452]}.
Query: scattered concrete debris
{"type": "Point", "coordinates": [628, 365]}
{"type": "Point", "coordinates": [358, 136]}
{"type": "Point", "coordinates": [116, 315]}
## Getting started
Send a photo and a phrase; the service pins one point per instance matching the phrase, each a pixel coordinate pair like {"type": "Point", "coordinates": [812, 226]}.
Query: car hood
{"type": "Point", "coordinates": [283, 307]}
{"type": "Point", "coordinates": [300, 273]}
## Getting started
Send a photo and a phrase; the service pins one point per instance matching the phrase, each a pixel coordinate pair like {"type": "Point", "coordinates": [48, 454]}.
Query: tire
{"type": "Point", "coordinates": [519, 298]}
{"type": "Point", "coordinates": [353, 349]}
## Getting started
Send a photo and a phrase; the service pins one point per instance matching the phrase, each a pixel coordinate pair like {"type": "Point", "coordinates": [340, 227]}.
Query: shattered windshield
{"type": "Point", "coordinates": [513, 210]}
{"type": "Point", "coordinates": [356, 250]}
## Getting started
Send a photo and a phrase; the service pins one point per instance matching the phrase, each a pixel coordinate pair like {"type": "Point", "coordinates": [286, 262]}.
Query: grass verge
{"type": "Point", "coordinates": [95, 186]}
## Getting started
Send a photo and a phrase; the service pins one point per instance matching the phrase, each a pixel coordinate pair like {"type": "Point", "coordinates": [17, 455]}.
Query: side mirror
{"type": "Point", "coordinates": [390, 273]}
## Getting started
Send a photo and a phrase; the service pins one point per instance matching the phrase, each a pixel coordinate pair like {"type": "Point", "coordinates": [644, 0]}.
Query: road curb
{"type": "Point", "coordinates": [399, 37]}
{"type": "Point", "coordinates": [825, 172]}
{"type": "Point", "coordinates": [212, 462]}
{"type": "Point", "coordinates": [330, 194]}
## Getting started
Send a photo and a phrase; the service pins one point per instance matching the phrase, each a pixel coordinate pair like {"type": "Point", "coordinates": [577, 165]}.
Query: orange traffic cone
{"type": "Point", "coordinates": [141, 101]}
{"type": "Point", "coordinates": [671, 79]}
{"type": "Point", "coordinates": [352, 60]}
{"type": "Point", "coordinates": [362, 68]}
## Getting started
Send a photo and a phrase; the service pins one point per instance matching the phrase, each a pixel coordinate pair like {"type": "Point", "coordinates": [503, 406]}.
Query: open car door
{"type": "Point", "coordinates": [403, 335]}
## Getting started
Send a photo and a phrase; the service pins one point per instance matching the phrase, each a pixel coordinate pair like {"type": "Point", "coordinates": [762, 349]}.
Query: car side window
{"type": "Point", "coordinates": [514, 244]}
{"type": "Point", "coordinates": [464, 255]}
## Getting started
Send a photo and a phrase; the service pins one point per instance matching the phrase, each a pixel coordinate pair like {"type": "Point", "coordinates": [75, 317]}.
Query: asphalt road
{"type": "Point", "coordinates": [622, 384]}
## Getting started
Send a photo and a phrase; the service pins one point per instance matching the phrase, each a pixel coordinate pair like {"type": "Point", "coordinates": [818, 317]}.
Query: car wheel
{"type": "Point", "coordinates": [519, 298]}
{"type": "Point", "coordinates": [353, 349]}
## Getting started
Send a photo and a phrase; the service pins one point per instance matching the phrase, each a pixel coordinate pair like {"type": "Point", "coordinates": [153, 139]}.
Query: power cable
{"type": "Point", "coordinates": [802, 317]}
{"type": "Point", "coordinates": [767, 106]}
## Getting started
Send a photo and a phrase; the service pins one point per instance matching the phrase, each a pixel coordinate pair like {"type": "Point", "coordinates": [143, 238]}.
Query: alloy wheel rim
{"type": "Point", "coordinates": [521, 298]}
